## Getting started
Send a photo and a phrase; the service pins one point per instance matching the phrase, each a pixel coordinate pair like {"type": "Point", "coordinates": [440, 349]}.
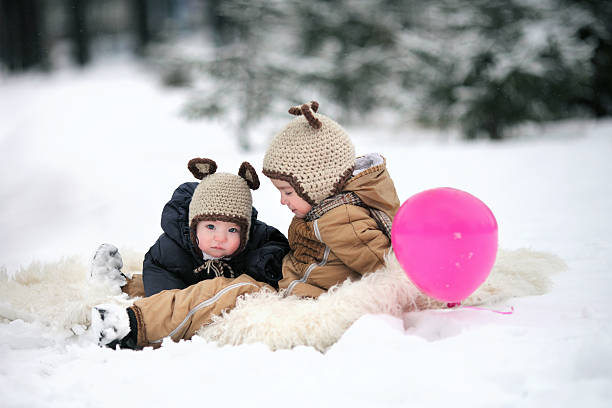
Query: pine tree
{"type": "Point", "coordinates": [350, 48]}
{"type": "Point", "coordinates": [251, 72]}
{"type": "Point", "coordinates": [484, 66]}
{"type": "Point", "coordinates": [597, 31]}
{"type": "Point", "coordinates": [501, 63]}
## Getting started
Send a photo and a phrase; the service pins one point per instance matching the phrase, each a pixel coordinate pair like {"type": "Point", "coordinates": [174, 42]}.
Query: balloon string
{"type": "Point", "coordinates": [503, 312]}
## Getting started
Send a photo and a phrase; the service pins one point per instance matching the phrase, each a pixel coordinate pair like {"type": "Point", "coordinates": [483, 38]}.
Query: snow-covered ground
{"type": "Point", "coordinates": [91, 156]}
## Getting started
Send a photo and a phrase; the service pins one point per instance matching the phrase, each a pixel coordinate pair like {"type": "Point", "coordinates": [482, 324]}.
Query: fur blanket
{"type": "Point", "coordinates": [61, 295]}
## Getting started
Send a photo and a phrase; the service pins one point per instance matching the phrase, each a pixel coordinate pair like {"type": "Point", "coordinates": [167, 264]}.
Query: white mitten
{"type": "Point", "coordinates": [109, 322]}
{"type": "Point", "coordinates": [106, 265]}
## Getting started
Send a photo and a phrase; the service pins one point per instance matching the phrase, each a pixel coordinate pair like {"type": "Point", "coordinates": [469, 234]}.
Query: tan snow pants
{"type": "Point", "coordinates": [179, 313]}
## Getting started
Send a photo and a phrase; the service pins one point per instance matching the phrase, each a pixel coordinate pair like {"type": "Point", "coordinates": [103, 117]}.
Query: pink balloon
{"type": "Point", "coordinates": [446, 241]}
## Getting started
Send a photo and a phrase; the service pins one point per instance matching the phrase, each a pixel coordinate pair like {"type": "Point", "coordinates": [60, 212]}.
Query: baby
{"type": "Point", "coordinates": [211, 230]}
{"type": "Point", "coordinates": [211, 235]}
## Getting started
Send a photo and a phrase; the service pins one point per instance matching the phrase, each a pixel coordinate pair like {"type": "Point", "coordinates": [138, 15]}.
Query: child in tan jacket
{"type": "Point", "coordinates": [343, 207]}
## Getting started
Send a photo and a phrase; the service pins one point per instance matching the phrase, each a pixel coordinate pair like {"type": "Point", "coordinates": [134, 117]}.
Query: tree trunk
{"type": "Point", "coordinates": [21, 34]}
{"type": "Point", "coordinates": [79, 32]}
{"type": "Point", "coordinates": [143, 33]}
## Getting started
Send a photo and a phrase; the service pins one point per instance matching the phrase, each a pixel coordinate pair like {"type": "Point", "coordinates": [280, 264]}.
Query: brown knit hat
{"type": "Point", "coordinates": [312, 153]}
{"type": "Point", "coordinates": [222, 197]}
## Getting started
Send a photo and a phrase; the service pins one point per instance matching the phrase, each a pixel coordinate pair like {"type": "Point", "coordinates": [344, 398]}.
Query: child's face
{"type": "Point", "coordinates": [296, 204]}
{"type": "Point", "coordinates": [218, 238]}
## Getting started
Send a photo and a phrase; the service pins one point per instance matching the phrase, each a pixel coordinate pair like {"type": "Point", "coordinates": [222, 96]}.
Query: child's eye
{"type": "Point", "coordinates": [288, 192]}
{"type": "Point", "coordinates": [210, 226]}
{"type": "Point", "coordinates": [233, 229]}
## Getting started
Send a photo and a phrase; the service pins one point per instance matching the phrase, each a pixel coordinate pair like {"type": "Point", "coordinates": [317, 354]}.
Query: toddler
{"type": "Point", "coordinates": [343, 206]}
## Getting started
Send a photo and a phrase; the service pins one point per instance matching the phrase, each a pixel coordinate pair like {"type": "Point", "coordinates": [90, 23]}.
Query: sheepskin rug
{"type": "Point", "coordinates": [61, 295]}
{"type": "Point", "coordinates": [285, 322]}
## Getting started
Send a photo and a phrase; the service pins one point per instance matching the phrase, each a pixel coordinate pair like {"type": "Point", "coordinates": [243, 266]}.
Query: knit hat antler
{"type": "Point", "coordinates": [312, 153]}
{"type": "Point", "coordinates": [305, 110]}
{"type": "Point", "coordinates": [222, 196]}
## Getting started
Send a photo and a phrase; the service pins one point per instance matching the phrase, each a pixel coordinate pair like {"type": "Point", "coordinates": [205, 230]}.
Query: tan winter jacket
{"type": "Point", "coordinates": [345, 242]}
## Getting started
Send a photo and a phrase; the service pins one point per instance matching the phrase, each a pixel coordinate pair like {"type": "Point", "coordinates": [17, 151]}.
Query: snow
{"type": "Point", "coordinates": [91, 156]}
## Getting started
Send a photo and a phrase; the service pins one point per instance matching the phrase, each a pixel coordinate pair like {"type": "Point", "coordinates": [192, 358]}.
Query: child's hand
{"type": "Point", "coordinates": [109, 323]}
{"type": "Point", "coordinates": [106, 265]}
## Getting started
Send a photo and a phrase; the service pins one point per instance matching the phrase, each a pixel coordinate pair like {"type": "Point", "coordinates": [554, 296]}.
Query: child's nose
{"type": "Point", "coordinates": [220, 237]}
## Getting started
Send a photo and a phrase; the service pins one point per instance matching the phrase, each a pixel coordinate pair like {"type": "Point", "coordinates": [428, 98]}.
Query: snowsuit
{"type": "Point", "coordinates": [172, 260]}
{"type": "Point", "coordinates": [345, 242]}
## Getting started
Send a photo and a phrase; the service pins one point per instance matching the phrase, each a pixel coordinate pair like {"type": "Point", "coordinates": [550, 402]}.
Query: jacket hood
{"type": "Point", "coordinates": [372, 183]}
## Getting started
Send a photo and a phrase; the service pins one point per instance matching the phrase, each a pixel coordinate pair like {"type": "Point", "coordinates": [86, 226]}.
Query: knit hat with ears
{"type": "Point", "coordinates": [222, 197]}
{"type": "Point", "coordinates": [312, 153]}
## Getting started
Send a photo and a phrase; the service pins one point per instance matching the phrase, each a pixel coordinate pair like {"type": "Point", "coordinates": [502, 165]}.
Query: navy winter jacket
{"type": "Point", "coordinates": [171, 261]}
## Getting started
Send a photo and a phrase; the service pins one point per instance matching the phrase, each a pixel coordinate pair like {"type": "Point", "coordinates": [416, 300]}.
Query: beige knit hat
{"type": "Point", "coordinates": [222, 197]}
{"type": "Point", "coordinates": [312, 153]}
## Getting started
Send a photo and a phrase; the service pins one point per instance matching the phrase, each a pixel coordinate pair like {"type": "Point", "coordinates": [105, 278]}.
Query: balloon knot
{"type": "Point", "coordinates": [453, 304]}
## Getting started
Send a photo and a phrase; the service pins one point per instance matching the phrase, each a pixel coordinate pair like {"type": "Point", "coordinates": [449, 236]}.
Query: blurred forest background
{"type": "Point", "coordinates": [484, 67]}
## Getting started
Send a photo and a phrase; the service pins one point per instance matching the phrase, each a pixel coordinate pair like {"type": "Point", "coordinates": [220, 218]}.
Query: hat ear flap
{"type": "Point", "coordinates": [201, 168]}
{"type": "Point", "coordinates": [248, 173]}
